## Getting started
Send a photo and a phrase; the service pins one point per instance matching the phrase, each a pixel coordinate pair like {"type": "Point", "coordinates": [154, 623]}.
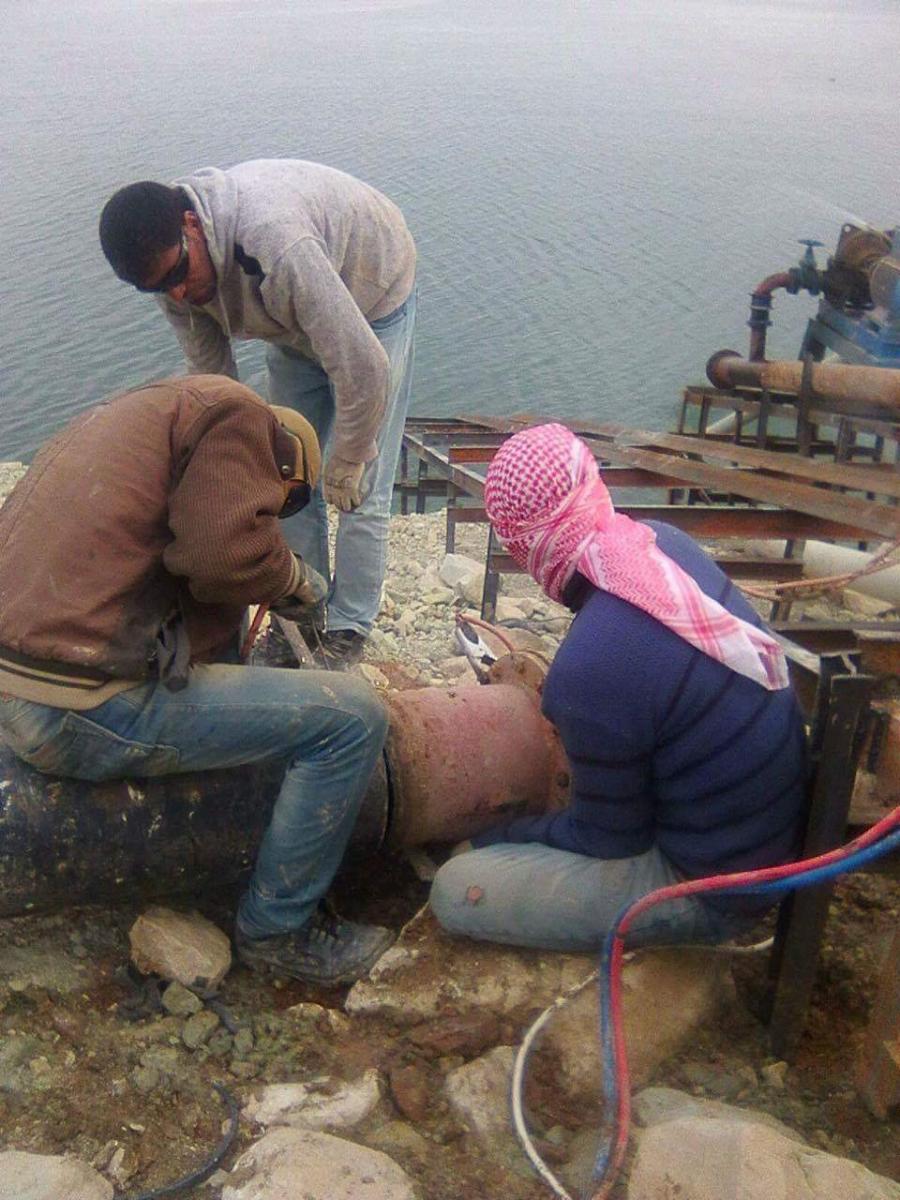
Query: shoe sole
{"type": "Point", "coordinates": [263, 967]}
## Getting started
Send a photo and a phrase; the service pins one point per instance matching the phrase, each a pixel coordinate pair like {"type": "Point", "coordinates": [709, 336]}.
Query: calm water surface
{"type": "Point", "coordinates": [595, 187]}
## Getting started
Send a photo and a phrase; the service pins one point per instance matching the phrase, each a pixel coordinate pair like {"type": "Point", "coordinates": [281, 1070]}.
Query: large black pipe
{"type": "Point", "coordinates": [64, 841]}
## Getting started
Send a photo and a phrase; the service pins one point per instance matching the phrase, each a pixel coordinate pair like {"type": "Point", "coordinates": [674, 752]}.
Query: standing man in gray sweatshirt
{"type": "Point", "coordinates": [321, 267]}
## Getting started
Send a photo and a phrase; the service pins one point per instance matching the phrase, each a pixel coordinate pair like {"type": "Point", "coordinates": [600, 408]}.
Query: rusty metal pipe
{"type": "Point", "coordinates": [841, 387]}
{"type": "Point", "coordinates": [760, 306]}
{"type": "Point", "coordinates": [464, 759]}
{"type": "Point", "coordinates": [455, 762]}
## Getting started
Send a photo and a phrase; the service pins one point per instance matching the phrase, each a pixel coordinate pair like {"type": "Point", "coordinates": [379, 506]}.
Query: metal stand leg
{"type": "Point", "coordinates": [491, 581]}
{"type": "Point", "coordinates": [803, 914]}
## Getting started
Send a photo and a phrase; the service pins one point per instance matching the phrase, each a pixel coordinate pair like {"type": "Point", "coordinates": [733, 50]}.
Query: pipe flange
{"type": "Point", "coordinates": [716, 370]}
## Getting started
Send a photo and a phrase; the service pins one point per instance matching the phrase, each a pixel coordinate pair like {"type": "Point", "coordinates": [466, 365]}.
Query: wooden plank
{"type": "Point", "coordinates": [877, 519]}
{"type": "Point", "coordinates": [883, 481]}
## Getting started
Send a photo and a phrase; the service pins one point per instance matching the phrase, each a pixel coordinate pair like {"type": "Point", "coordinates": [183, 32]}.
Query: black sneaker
{"type": "Point", "coordinates": [272, 649]}
{"type": "Point", "coordinates": [311, 624]}
{"type": "Point", "coordinates": [340, 649]}
{"type": "Point", "coordinates": [327, 950]}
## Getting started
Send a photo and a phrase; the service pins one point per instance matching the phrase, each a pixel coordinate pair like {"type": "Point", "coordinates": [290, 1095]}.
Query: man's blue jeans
{"type": "Point", "coordinates": [328, 726]}
{"type": "Point", "coordinates": [360, 552]}
{"type": "Point", "coordinates": [534, 895]}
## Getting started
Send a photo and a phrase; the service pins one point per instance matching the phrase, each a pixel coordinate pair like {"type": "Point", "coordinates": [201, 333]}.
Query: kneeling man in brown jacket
{"type": "Point", "coordinates": [129, 553]}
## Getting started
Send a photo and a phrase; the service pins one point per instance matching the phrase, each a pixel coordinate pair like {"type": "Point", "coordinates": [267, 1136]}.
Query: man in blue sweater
{"type": "Point", "coordinates": [686, 746]}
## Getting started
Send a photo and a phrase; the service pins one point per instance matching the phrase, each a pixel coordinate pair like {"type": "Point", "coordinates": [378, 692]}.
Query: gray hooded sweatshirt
{"type": "Point", "coordinates": [305, 257]}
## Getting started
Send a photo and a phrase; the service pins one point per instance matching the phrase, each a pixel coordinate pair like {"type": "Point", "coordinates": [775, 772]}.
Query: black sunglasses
{"type": "Point", "coordinates": [297, 498]}
{"type": "Point", "coordinates": [176, 275]}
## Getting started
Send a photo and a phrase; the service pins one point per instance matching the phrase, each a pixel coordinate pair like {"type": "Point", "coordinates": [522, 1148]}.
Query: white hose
{"type": "Point", "coordinates": [517, 1087]}
{"type": "Point", "coordinates": [518, 1075]}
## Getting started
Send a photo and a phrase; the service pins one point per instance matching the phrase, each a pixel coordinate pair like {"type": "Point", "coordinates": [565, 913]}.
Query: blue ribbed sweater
{"type": "Point", "coordinates": [665, 744]}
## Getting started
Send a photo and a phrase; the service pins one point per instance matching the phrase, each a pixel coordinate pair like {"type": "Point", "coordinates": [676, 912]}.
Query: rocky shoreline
{"type": "Point", "coordinates": [397, 1089]}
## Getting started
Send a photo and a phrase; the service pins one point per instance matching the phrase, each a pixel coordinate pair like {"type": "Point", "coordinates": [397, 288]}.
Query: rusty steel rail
{"type": "Point", "coordinates": [881, 479]}
{"type": "Point", "coordinates": [759, 406]}
{"type": "Point", "coordinates": [733, 491]}
{"type": "Point", "coordinates": [807, 511]}
{"type": "Point", "coordinates": [809, 490]}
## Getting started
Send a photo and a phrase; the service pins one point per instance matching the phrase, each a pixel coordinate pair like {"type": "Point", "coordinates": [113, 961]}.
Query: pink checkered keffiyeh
{"type": "Point", "coordinates": [546, 501]}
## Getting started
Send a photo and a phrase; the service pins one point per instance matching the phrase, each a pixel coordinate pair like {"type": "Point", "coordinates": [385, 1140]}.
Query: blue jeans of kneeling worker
{"type": "Point", "coordinates": [360, 548]}
{"type": "Point", "coordinates": [528, 894]}
{"type": "Point", "coordinates": [328, 725]}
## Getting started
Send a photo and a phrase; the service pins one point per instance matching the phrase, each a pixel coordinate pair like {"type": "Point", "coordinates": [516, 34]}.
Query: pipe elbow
{"type": "Point", "coordinates": [781, 279]}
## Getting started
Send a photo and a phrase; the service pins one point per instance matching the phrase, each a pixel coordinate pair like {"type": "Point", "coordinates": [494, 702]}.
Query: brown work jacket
{"type": "Point", "coordinates": [152, 513]}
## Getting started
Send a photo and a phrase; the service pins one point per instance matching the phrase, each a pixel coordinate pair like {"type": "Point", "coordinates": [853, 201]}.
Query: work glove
{"type": "Point", "coordinates": [307, 596]}
{"type": "Point", "coordinates": [341, 483]}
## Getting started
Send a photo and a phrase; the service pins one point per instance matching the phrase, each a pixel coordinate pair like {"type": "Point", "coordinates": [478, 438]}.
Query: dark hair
{"type": "Point", "coordinates": [138, 223]}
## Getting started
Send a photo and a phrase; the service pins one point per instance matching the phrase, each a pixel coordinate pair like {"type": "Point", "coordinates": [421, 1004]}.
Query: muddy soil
{"type": "Point", "coordinates": [90, 1065]}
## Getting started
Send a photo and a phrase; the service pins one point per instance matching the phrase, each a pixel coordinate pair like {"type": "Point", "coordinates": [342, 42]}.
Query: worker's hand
{"type": "Point", "coordinates": [341, 483]}
{"type": "Point", "coordinates": [309, 593]}
{"type": "Point", "coordinates": [461, 848]}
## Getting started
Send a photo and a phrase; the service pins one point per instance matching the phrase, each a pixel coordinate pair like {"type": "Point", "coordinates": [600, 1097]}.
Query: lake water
{"type": "Point", "coordinates": [595, 187]}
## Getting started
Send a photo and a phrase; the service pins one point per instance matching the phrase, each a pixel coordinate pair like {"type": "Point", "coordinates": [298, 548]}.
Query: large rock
{"type": "Point", "coordinates": [182, 946]}
{"type": "Point", "coordinates": [700, 1158]}
{"type": "Point", "coordinates": [316, 1105]}
{"type": "Point", "coordinates": [479, 1094]}
{"type": "Point", "coordinates": [46, 1177]}
{"type": "Point", "coordinates": [411, 1092]}
{"type": "Point", "coordinates": [464, 576]}
{"type": "Point", "coordinates": [667, 995]}
{"type": "Point", "coordinates": [294, 1164]}
{"type": "Point", "coordinates": [509, 610]}
{"type": "Point", "coordinates": [469, 1034]}
{"type": "Point", "coordinates": [427, 974]}
{"type": "Point", "coordinates": [656, 1105]}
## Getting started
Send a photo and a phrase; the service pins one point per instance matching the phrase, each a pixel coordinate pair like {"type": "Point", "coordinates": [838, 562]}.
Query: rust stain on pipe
{"type": "Point", "coordinates": [860, 390]}
{"type": "Point", "coordinates": [464, 759]}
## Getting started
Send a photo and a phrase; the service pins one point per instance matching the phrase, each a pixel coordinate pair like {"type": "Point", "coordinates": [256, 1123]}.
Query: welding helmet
{"type": "Point", "coordinates": [302, 475]}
